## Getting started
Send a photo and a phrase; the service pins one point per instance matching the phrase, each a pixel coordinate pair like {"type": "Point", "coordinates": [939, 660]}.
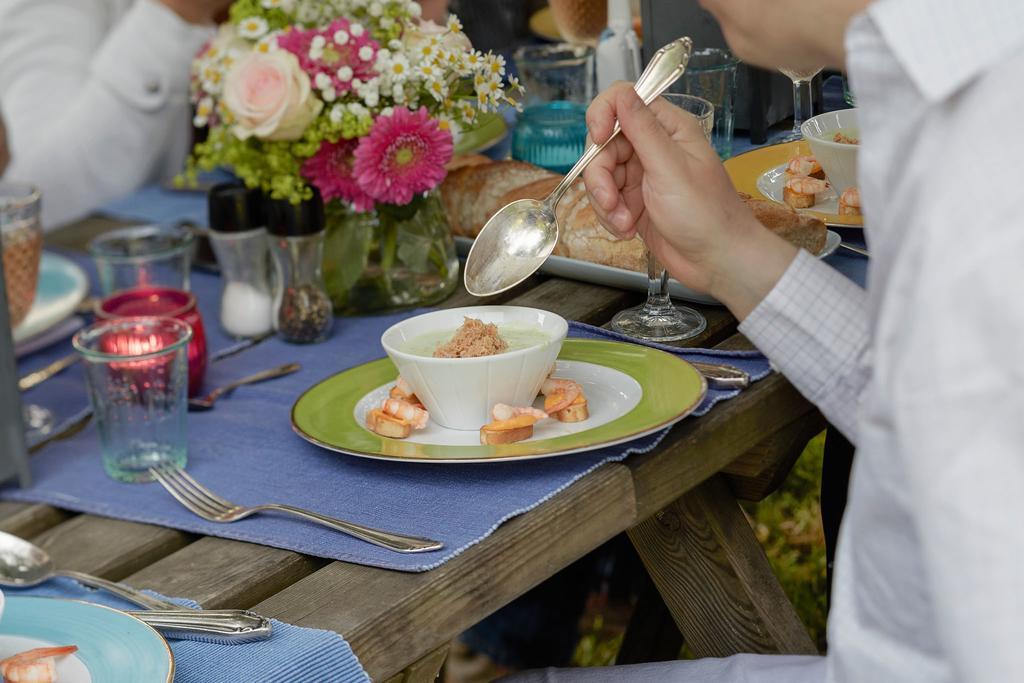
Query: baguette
{"type": "Point", "coordinates": [496, 437]}
{"type": "Point", "coordinates": [472, 194]}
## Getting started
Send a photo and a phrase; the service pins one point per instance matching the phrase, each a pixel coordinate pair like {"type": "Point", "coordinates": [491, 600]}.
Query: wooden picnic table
{"type": "Point", "coordinates": [678, 504]}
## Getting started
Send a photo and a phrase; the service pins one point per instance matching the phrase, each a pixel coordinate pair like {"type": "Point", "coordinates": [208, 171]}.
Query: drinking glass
{"type": "Point", "coordinates": [143, 256]}
{"type": "Point", "coordinates": [21, 234]}
{"type": "Point", "coordinates": [552, 128]}
{"type": "Point", "coordinates": [137, 373]}
{"type": "Point", "coordinates": [658, 319]}
{"type": "Point", "coordinates": [802, 106]}
{"type": "Point", "coordinates": [712, 74]}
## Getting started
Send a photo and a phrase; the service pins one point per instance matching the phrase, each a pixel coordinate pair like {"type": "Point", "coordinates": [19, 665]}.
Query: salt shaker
{"type": "Point", "coordinates": [238, 235]}
{"type": "Point", "coordinates": [302, 309]}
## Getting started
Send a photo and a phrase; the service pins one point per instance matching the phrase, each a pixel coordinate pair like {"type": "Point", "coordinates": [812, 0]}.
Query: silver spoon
{"type": "Point", "coordinates": [206, 402]}
{"type": "Point", "coordinates": [855, 249]}
{"type": "Point", "coordinates": [23, 564]}
{"type": "Point", "coordinates": [517, 240]}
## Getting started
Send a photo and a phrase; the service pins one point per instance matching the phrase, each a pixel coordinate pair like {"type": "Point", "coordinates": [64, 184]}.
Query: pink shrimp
{"type": "Point", "coordinates": [806, 185]}
{"type": "Point", "coordinates": [34, 666]}
{"type": "Point", "coordinates": [803, 166]}
{"type": "Point", "coordinates": [559, 393]}
{"type": "Point", "coordinates": [502, 412]}
{"type": "Point", "coordinates": [403, 410]}
{"type": "Point", "coordinates": [850, 197]}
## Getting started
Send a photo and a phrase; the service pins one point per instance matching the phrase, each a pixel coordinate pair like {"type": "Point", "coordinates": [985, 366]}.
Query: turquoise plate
{"type": "Point", "coordinates": [113, 647]}
{"type": "Point", "coordinates": [62, 286]}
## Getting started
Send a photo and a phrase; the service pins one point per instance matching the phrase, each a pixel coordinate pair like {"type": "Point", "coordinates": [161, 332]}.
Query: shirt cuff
{"type": "Point", "coordinates": [813, 326]}
{"type": "Point", "coordinates": [147, 58]}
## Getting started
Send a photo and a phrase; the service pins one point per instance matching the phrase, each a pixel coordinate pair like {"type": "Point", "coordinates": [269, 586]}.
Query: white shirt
{"type": "Point", "coordinates": [94, 95]}
{"type": "Point", "coordinates": [924, 372]}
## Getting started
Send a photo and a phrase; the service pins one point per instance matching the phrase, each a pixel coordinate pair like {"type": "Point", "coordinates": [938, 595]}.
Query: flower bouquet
{"type": "Point", "coordinates": [363, 100]}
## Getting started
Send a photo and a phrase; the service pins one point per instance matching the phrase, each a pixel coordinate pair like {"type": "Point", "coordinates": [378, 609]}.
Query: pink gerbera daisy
{"type": "Point", "coordinates": [330, 169]}
{"type": "Point", "coordinates": [404, 154]}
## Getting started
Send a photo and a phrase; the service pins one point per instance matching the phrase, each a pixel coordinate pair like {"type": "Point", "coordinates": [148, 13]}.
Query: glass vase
{"type": "Point", "coordinates": [391, 257]}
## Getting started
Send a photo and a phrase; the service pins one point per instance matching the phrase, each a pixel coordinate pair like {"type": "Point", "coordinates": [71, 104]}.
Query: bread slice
{"type": "Point", "coordinates": [577, 412]}
{"type": "Point", "coordinates": [806, 232]}
{"type": "Point", "coordinates": [493, 437]}
{"type": "Point", "coordinates": [390, 426]}
{"type": "Point", "coordinates": [798, 200]}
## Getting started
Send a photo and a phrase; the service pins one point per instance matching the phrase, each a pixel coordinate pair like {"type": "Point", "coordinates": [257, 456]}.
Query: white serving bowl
{"type": "Point", "coordinates": [459, 393]}
{"type": "Point", "coordinates": [838, 159]}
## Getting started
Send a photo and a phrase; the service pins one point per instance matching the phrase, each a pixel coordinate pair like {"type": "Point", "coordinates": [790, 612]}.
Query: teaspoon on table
{"type": "Point", "coordinates": [23, 564]}
{"type": "Point", "coordinates": [517, 240]}
{"type": "Point", "coordinates": [206, 402]}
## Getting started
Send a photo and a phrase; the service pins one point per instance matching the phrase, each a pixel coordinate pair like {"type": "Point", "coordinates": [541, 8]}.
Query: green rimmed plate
{"type": "Point", "coordinates": [113, 647]}
{"type": "Point", "coordinates": [632, 391]}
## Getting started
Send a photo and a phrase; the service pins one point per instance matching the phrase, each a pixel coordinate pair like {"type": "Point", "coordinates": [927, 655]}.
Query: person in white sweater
{"type": "Point", "coordinates": [94, 95]}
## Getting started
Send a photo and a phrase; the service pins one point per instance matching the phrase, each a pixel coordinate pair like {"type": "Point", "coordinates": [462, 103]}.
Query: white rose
{"type": "Point", "coordinates": [270, 96]}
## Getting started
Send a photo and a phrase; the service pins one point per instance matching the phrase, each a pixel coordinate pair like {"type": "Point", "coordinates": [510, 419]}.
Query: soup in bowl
{"type": "Point", "coordinates": [834, 139]}
{"type": "Point", "coordinates": [463, 361]}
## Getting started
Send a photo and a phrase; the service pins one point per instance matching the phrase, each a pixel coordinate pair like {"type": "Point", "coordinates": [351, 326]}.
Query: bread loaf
{"type": "Point", "coordinates": [472, 194]}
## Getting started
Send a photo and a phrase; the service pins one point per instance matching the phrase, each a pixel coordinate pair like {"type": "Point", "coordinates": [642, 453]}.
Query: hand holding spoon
{"type": "Point", "coordinates": [518, 239]}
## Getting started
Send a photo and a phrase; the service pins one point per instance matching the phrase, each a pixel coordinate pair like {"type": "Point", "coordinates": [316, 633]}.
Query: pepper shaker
{"type": "Point", "coordinates": [302, 309]}
{"type": "Point", "coordinates": [238, 235]}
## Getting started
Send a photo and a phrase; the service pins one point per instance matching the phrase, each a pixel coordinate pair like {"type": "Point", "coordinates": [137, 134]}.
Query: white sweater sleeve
{"type": "Point", "coordinates": [94, 95]}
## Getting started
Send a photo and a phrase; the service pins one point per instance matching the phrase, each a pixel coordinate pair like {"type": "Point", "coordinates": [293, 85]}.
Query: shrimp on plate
{"type": "Point", "coordinates": [849, 202]}
{"type": "Point", "coordinates": [800, 191]}
{"type": "Point", "coordinates": [559, 393]}
{"type": "Point", "coordinates": [403, 392]}
{"type": "Point", "coordinates": [502, 411]}
{"type": "Point", "coordinates": [406, 411]}
{"type": "Point", "coordinates": [805, 166]}
{"type": "Point", "coordinates": [34, 666]}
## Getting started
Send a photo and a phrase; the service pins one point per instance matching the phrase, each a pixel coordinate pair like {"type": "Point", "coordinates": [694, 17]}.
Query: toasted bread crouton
{"type": "Point", "coordinates": [515, 429]}
{"type": "Point", "coordinates": [577, 412]}
{"type": "Point", "coordinates": [412, 399]}
{"type": "Point", "coordinates": [797, 200]}
{"type": "Point", "coordinates": [847, 210]}
{"type": "Point", "coordinates": [390, 426]}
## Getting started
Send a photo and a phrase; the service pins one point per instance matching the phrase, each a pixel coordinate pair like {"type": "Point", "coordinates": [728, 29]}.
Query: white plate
{"type": "Point", "coordinates": [772, 182]}
{"type": "Point", "coordinates": [610, 395]}
{"type": "Point", "coordinates": [595, 273]}
{"type": "Point", "coordinates": [62, 286]}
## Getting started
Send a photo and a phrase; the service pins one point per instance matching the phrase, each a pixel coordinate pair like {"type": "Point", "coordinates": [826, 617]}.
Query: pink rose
{"type": "Point", "coordinates": [270, 96]}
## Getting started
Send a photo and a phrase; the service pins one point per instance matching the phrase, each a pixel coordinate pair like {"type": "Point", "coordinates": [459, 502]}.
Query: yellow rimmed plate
{"type": "Point", "coordinates": [632, 390]}
{"type": "Point", "coordinates": [759, 173]}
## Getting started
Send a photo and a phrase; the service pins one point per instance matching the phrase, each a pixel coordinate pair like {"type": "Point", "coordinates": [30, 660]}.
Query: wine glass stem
{"type": "Point", "coordinates": [801, 104]}
{"type": "Point", "coordinates": [657, 284]}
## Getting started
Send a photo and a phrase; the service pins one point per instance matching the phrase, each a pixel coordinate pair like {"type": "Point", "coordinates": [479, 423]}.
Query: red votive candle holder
{"type": "Point", "coordinates": [163, 302]}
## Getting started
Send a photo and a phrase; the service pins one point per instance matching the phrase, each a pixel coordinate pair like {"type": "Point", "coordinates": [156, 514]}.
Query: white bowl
{"type": "Point", "coordinates": [837, 159]}
{"type": "Point", "coordinates": [459, 393]}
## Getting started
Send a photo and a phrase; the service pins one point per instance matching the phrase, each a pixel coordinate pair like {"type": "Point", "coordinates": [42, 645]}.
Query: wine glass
{"type": "Point", "coordinates": [21, 234]}
{"type": "Point", "coordinates": [658, 319]}
{"type": "Point", "coordinates": [802, 105]}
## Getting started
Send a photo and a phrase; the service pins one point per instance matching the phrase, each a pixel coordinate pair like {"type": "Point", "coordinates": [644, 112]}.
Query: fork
{"type": "Point", "coordinates": [205, 503]}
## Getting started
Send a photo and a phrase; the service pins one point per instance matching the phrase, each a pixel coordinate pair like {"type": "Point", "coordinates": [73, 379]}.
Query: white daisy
{"type": "Point", "coordinates": [398, 69]}
{"type": "Point", "coordinates": [454, 25]}
{"type": "Point", "coordinates": [495, 65]}
{"type": "Point", "coordinates": [252, 27]}
{"type": "Point", "coordinates": [203, 110]}
{"type": "Point", "coordinates": [438, 89]}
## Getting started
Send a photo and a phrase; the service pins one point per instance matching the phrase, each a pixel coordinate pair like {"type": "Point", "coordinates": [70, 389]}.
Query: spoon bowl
{"type": "Point", "coordinates": [517, 240]}
{"type": "Point", "coordinates": [520, 236]}
{"type": "Point", "coordinates": [22, 563]}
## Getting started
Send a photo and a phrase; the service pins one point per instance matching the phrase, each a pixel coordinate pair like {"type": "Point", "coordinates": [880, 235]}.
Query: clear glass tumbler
{"type": "Point", "coordinates": [143, 256]}
{"type": "Point", "coordinates": [711, 74]}
{"type": "Point", "coordinates": [658, 319]}
{"type": "Point", "coordinates": [559, 81]}
{"type": "Point", "coordinates": [137, 373]}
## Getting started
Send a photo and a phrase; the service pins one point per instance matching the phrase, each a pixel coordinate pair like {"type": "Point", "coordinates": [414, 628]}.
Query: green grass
{"type": "Point", "coordinates": [788, 525]}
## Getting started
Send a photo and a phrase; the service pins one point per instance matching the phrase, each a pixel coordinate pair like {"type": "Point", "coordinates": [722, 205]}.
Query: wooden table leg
{"type": "Point", "coordinates": [424, 671]}
{"type": "Point", "coordinates": [715, 579]}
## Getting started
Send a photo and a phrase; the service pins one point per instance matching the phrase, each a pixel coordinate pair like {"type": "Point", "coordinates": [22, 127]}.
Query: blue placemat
{"type": "Point", "coordinates": [245, 451]}
{"type": "Point", "coordinates": [291, 653]}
